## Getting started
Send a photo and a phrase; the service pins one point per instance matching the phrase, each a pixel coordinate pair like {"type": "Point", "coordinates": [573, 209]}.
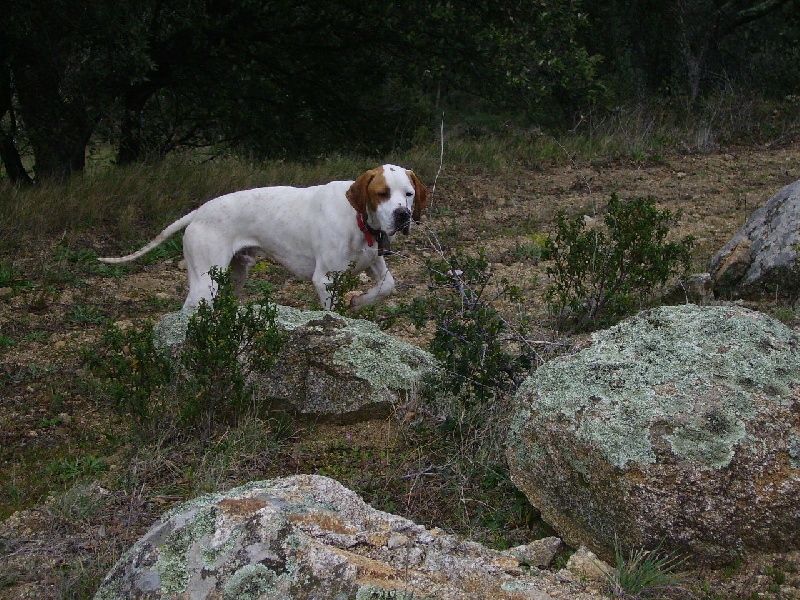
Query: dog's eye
{"type": "Point", "coordinates": [409, 194]}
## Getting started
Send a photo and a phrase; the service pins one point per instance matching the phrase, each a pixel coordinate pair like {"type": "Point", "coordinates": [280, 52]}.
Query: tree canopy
{"type": "Point", "coordinates": [291, 78]}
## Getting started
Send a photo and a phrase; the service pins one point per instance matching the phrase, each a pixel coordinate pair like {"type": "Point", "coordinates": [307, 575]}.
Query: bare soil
{"type": "Point", "coordinates": [70, 503]}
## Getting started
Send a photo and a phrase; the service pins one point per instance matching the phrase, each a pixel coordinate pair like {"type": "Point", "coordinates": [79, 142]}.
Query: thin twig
{"type": "Point", "coordinates": [441, 160]}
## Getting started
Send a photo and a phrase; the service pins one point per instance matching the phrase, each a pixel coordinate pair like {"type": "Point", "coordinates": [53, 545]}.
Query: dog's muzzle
{"type": "Point", "coordinates": [402, 220]}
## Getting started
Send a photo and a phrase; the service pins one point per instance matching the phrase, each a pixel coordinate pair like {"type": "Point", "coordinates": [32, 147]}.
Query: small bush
{"type": "Point", "coordinates": [482, 352]}
{"type": "Point", "coordinates": [600, 275]}
{"type": "Point", "coordinates": [206, 383]}
{"type": "Point", "coordinates": [135, 374]}
{"type": "Point", "coordinates": [341, 284]}
{"type": "Point", "coordinates": [224, 343]}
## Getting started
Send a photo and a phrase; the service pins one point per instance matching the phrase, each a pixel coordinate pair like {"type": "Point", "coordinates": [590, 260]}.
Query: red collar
{"type": "Point", "coordinates": [363, 226]}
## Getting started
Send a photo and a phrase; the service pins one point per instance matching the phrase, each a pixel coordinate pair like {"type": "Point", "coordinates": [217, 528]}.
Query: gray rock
{"type": "Point", "coordinates": [585, 564]}
{"type": "Point", "coordinates": [762, 258]}
{"type": "Point", "coordinates": [331, 367]}
{"type": "Point", "coordinates": [539, 553]}
{"type": "Point", "coordinates": [679, 426]}
{"type": "Point", "coordinates": [695, 289]}
{"type": "Point", "coordinates": [308, 537]}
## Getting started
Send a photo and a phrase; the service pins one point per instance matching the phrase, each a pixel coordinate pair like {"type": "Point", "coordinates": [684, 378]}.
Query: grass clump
{"type": "Point", "coordinates": [602, 274]}
{"type": "Point", "coordinates": [645, 574]}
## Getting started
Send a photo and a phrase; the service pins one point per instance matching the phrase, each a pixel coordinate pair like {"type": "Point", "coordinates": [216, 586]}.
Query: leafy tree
{"type": "Point", "coordinates": [688, 47]}
{"type": "Point", "coordinates": [286, 77]}
{"type": "Point", "coordinates": [62, 59]}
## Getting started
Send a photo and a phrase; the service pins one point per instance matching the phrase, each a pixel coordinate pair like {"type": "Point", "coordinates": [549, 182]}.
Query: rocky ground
{"type": "Point", "coordinates": [71, 506]}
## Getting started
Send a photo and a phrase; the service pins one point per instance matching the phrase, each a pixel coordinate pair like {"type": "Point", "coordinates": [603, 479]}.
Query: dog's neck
{"type": "Point", "coordinates": [371, 234]}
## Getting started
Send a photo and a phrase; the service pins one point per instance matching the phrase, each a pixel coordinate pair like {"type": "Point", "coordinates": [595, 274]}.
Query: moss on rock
{"type": "Point", "coordinates": [667, 412]}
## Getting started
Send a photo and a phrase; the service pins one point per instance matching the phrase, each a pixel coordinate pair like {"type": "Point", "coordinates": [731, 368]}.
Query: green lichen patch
{"type": "Point", "coordinates": [252, 582]}
{"type": "Point", "coordinates": [702, 371]}
{"type": "Point", "coordinates": [173, 555]}
{"type": "Point", "coordinates": [374, 356]}
{"type": "Point", "coordinates": [383, 361]}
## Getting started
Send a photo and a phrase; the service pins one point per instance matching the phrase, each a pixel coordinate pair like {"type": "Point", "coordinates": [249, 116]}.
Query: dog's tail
{"type": "Point", "coordinates": [170, 230]}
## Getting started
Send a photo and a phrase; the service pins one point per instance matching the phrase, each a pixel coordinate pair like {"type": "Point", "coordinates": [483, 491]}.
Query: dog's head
{"type": "Point", "coordinates": [390, 197]}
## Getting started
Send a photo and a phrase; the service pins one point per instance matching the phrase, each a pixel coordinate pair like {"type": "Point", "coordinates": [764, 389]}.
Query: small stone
{"type": "Point", "coordinates": [397, 540]}
{"type": "Point", "coordinates": [539, 553]}
{"type": "Point", "coordinates": [585, 564]}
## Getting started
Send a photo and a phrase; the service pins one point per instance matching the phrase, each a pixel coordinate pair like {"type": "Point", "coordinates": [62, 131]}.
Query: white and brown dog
{"type": "Point", "coordinates": [311, 231]}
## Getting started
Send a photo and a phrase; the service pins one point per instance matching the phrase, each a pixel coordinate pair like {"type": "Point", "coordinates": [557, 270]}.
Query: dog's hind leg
{"type": "Point", "coordinates": [240, 264]}
{"type": "Point", "coordinates": [203, 249]}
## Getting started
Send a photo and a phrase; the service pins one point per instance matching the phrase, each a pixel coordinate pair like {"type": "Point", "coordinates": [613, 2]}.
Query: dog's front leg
{"type": "Point", "coordinates": [321, 283]}
{"type": "Point", "coordinates": [384, 285]}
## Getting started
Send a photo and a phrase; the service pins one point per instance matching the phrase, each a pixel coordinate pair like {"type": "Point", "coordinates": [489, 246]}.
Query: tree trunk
{"type": "Point", "coordinates": [12, 161]}
{"type": "Point", "coordinates": [9, 155]}
{"type": "Point", "coordinates": [58, 129]}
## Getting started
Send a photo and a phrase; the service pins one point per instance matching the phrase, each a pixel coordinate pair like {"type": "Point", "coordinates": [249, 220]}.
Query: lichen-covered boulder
{"type": "Point", "coordinates": [762, 258]}
{"type": "Point", "coordinates": [308, 537]}
{"type": "Point", "coordinates": [679, 426]}
{"type": "Point", "coordinates": [331, 367]}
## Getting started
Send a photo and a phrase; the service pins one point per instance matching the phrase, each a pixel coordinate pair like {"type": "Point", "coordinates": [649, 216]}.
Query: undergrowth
{"type": "Point", "coordinates": [206, 383]}
{"type": "Point", "coordinates": [601, 274]}
{"type": "Point", "coordinates": [483, 354]}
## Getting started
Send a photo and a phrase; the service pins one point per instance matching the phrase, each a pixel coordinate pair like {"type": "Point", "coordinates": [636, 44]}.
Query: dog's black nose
{"type": "Point", "coordinates": [402, 220]}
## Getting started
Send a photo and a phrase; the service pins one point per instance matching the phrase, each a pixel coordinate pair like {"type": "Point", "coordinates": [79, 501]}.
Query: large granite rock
{"type": "Point", "coordinates": [331, 367]}
{"type": "Point", "coordinates": [680, 426]}
{"type": "Point", "coordinates": [308, 537]}
{"type": "Point", "coordinates": [761, 260]}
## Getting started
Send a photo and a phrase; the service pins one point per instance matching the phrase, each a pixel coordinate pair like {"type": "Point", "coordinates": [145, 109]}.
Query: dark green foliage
{"type": "Point", "coordinates": [299, 78]}
{"type": "Point", "coordinates": [206, 383]}
{"type": "Point", "coordinates": [341, 283]}
{"type": "Point", "coordinates": [224, 343]}
{"type": "Point", "coordinates": [600, 275]}
{"type": "Point", "coordinates": [270, 79]}
{"type": "Point", "coordinates": [135, 374]}
{"type": "Point", "coordinates": [472, 339]}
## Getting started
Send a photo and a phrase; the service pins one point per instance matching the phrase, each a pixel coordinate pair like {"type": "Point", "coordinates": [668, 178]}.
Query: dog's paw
{"type": "Point", "coordinates": [351, 299]}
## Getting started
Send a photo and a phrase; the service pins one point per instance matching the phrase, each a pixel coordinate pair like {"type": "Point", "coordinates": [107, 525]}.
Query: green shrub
{"type": "Point", "coordinates": [224, 343]}
{"type": "Point", "coordinates": [481, 351]}
{"type": "Point", "coordinates": [602, 274]}
{"type": "Point", "coordinates": [341, 283]}
{"type": "Point", "coordinates": [206, 383]}
{"type": "Point", "coordinates": [135, 374]}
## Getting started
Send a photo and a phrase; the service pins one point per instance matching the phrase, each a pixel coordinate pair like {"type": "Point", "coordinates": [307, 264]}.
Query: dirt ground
{"type": "Point", "coordinates": [45, 325]}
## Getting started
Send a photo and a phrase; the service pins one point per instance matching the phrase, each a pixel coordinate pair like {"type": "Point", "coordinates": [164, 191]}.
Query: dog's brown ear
{"type": "Point", "coordinates": [420, 196]}
{"type": "Point", "coordinates": [358, 194]}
